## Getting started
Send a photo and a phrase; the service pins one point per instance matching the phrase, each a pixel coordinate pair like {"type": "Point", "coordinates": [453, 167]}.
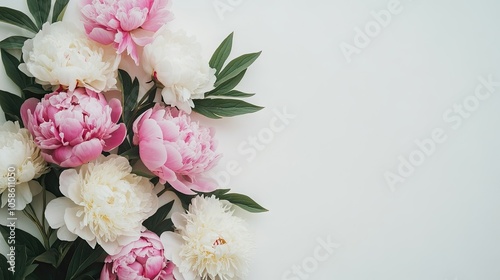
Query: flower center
{"type": "Point", "coordinates": [219, 241]}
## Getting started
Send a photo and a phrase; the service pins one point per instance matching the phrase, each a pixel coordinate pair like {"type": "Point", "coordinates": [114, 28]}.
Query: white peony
{"type": "Point", "coordinates": [104, 203]}
{"type": "Point", "coordinates": [175, 60]}
{"type": "Point", "coordinates": [21, 156]}
{"type": "Point", "coordinates": [61, 54]}
{"type": "Point", "coordinates": [209, 242]}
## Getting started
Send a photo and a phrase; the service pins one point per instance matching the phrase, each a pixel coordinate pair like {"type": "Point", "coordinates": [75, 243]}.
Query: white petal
{"type": "Point", "coordinates": [64, 234]}
{"type": "Point", "coordinates": [54, 213]}
{"type": "Point", "coordinates": [69, 185]}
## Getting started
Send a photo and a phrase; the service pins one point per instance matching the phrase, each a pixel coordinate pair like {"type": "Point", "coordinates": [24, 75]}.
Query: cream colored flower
{"type": "Point", "coordinates": [61, 54]}
{"type": "Point", "coordinates": [104, 203]}
{"type": "Point", "coordinates": [21, 158]}
{"type": "Point", "coordinates": [209, 242]}
{"type": "Point", "coordinates": [175, 60]}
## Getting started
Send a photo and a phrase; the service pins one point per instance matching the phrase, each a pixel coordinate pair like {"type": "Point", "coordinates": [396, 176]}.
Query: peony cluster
{"type": "Point", "coordinates": [126, 24]}
{"type": "Point", "coordinates": [61, 55]}
{"type": "Point", "coordinates": [174, 59]}
{"type": "Point", "coordinates": [74, 127]}
{"type": "Point", "coordinates": [104, 204]}
{"type": "Point", "coordinates": [176, 149]}
{"type": "Point", "coordinates": [21, 156]}
{"type": "Point", "coordinates": [209, 242]}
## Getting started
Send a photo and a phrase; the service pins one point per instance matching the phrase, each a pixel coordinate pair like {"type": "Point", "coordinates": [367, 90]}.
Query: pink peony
{"type": "Point", "coordinates": [125, 23]}
{"type": "Point", "coordinates": [176, 149]}
{"type": "Point", "coordinates": [72, 128]}
{"type": "Point", "coordinates": [139, 260]}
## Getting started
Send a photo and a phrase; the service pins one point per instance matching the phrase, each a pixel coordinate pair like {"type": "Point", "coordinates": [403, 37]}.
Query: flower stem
{"type": "Point", "coordinates": [32, 216]}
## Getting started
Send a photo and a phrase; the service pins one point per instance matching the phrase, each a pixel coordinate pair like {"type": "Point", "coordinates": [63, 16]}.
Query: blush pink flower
{"type": "Point", "coordinates": [175, 148]}
{"type": "Point", "coordinates": [124, 23]}
{"type": "Point", "coordinates": [74, 127]}
{"type": "Point", "coordinates": [140, 260]}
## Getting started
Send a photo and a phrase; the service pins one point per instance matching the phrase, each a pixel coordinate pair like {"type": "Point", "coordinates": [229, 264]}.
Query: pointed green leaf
{"type": "Point", "coordinates": [11, 105]}
{"type": "Point", "coordinates": [235, 93]}
{"type": "Point", "coordinates": [152, 222]}
{"type": "Point", "coordinates": [235, 67]}
{"type": "Point", "coordinates": [83, 257]}
{"type": "Point", "coordinates": [4, 267]}
{"type": "Point", "coordinates": [21, 262]}
{"type": "Point", "coordinates": [165, 225]}
{"type": "Point", "coordinates": [40, 10]}
{"type": "Point", "coordinates": [11, 65]}
{"type": "Point", "coordinates": [59, 8]}
{"type": "Point", "coordinates": [33, 246]}
{"type": "Point", "coordinates": [244, 202]}
{"type": "Point", "coordinates": [223, 107]}
{"type": "Point", "coordinates": [17, 18]}
{"type": "Point", "coordinates": [221, 54]}
{"type": "Point", "coordinates": [227, 86]}
{"type": "Point", "coordinates": [13, 42]}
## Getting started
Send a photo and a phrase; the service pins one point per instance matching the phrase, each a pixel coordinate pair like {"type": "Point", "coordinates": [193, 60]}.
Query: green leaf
{"type": "Point", "coordinates": [244, 202]}
{"type": "Point", "coordinates": [130, 92]}
{"type": "Point", "coordinates": [223, 107]}
{"type": "Point", "coordinates": [4, 268]}
{"type": "Point", "coordinates": [17, 18]}
{"type": "Point", "coordinates": [227, 86]}
{"type": "Point", "coordinates": [59, 8]}
{"type": "Point", "coordinates": [152, 222]}
{"type": "Point", "coordinates": [35, 89]}
{"type": "Point", "coordinates": [33, 246]}
{"type": "Point", "coordinates": [235, 93]}
{"type": "Point", "coordinates": [40, 10]}
{"type": "Point", "coordinates": [13, 42]}
{"type": "Point", "coordinates": [11, 105]}
{"type": "Point", "coordinates": [11, 65]}
{"type": "Point", "coordinates": [83, 257]}
{"type": "Point", "coordinates": [29, 270]}
{"type": "Point", "coordinates": [165, 225]}
{"type": "Point", "coordinates": [21, 262]}
{"type": "Point", "coordinates": [221, 54]}
{"type": "Point", "coordinates": [132, 153]}
{"type": "Point", "coordinates": [235, 67]}
{"type": "Point", "coordinates": [217, 193]}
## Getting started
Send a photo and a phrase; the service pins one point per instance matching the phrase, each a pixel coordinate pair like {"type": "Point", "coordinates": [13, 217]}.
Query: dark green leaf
{"type": "Point", "coordinates": [13, 42]}
{"type": "Point", "coordinates": [11, 105]}
{"type": "Point", "coordinates": [235, 93]}
{"type": "Point", "coordinates": [59, 8]}
{"type": "Point", "coordinates": [130, 91]}
{"type": "Point", "coordinates": [49, 257]}
{"type": "Point", "coordinates": [83, 257]}
{"type": "Point", "coordinates": [223, 107]}
{"type": "Point", "coordinates": [21, 262]}
{"type": "Point", "coordinates": [29, 270]}
{"type": "Point", "coordinates": [11, 64]}
{"type": "Point", "coordinates": [159, 216]}
{"type": "Point", "coordinates": [35, 89]}
{"type": "Point", "coordinates": [132, 153]}
{"type": "Point", "coordinates": [165, 225]}
{"type": "Point", "coordinates": [227, 86]}
{"type": "Point", "coordinates": [221, 54]}
{"type": "Point", "coordinates": [33, 246]}
{"type": "Point", "coordinates": [217, 193]}
{"type": "Point", "coordinates": [17, 18]}
{"type": "Point", "coordinates": [51, 182]}
{"type": "Point", "coordinates": [235, 67]}
{"type": "Point", "coordinates": [4, 268]}
{"type": "Point", "coordinates": [40, 10]}
{"type": "Point", "coordinates": [244, 202]}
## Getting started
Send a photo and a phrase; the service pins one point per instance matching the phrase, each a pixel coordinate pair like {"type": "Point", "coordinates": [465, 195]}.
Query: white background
{"type": "Point", "coordinates": [322, 174]}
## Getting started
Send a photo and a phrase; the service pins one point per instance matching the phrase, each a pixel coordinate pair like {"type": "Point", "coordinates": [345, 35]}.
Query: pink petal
{"type": "Point", "coordinates": [87, 151]}
{"type": "Point", "coordinates": [29, 104]}
{"type": "Point", "coordinates": [116, 138]}
{"type": "Point", "coordinates": [106, 272]}
{"type": "Point", "coordinates": [116, 109]}
{"type": "Point", "coordinates": [142, 37]}
{"type": "Point", "coordinates": [158, 15]}
{"type": "Point", "coordinates": [174, 158]}
{"type": "Point", "coordinates": [102, 36]}
{"type": "Point", "coordinates": [152, 154]}
{"type": "Point", "coordinates": [153, 266]}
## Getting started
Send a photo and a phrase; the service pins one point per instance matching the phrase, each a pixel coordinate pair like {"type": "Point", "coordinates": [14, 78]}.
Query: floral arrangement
{"type": "Point", "coordinates": [98, 165]}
